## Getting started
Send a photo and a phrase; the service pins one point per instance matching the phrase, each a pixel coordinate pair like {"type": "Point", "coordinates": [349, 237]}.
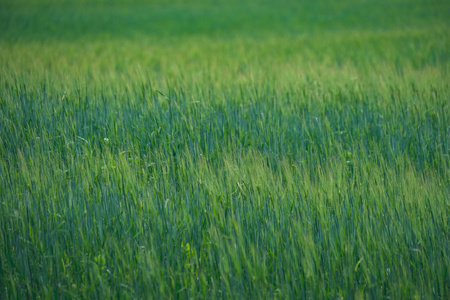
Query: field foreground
{"type": "Point", "coordinates": [224, 149]}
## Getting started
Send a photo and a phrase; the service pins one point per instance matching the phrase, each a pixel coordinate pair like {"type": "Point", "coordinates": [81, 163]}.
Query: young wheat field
{"type": "Point", "coordinates": [225, 149]}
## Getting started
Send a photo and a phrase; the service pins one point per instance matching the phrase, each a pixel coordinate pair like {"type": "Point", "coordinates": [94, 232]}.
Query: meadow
{"type": "Point", "coordinates": [224, 149]}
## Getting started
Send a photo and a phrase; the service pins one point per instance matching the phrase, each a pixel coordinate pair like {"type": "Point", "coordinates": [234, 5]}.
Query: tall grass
{"type": "Point", "coordinates": [291, 153]}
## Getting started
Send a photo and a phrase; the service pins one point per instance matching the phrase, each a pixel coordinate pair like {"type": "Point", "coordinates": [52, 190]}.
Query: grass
{"type": "Point", "coordinates": [224, 149]}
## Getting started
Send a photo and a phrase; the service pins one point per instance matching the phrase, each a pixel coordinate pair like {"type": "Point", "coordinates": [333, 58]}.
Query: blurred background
{"type": "Point", "coordinates": [242, 40]}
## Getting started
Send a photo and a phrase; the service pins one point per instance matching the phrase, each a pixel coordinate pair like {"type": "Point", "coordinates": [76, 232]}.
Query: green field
{"type": "Point", "coordinates": [225, 149]}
